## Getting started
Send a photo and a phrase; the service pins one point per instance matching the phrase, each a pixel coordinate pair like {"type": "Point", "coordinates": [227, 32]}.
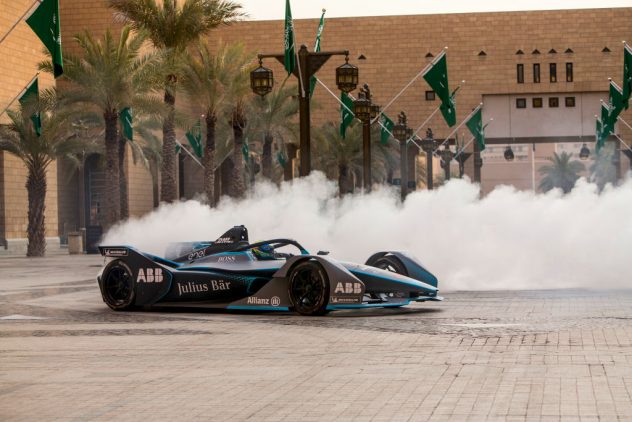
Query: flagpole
{"type": "Point", "coordinates": [491, 119]}
{"type": "Point", "coordinates": [408, 85]}
{"type": "Point", "coordinates": [20, 94]}
{"type": "Point", "coordinates": [188, 152]}
{"type": "Point", "coordinates": [19, 20]}
{"type": "Point", "coordinates": [457, 128]}
{"type": "Point", "coordinates": [623, 142]}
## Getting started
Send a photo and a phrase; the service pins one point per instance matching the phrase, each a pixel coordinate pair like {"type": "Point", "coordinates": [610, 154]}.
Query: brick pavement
{"type": "Point", "coordinates": [561, 355]}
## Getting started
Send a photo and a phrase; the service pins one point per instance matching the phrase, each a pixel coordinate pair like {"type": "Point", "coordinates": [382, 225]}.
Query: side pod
{"type": "Point", "coordinates": [151, 278]}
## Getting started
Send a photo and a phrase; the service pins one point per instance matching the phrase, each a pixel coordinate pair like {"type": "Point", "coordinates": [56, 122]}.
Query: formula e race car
{"type": "Point", "coordinates": [231, 273]}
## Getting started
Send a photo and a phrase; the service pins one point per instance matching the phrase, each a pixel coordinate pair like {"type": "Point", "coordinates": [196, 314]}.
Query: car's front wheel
{"type": "Point", "coordinates": [309, 288]}
{"type": "Point", "coordinates": [118, 286]}
{"type": "Point", "coordinates": [390, 263]}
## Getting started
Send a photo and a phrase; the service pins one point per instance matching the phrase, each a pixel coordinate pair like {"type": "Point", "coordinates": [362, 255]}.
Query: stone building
{"type": "Point", "coordinates": [539, 74]}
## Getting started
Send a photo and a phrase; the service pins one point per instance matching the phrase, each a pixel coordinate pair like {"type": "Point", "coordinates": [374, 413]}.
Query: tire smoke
{"type": "Point", "coordinates": [507, 240]}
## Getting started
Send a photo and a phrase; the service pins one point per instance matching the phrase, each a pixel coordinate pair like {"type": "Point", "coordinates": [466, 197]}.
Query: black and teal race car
{"type": "Point", "coordinates": [231, 273]}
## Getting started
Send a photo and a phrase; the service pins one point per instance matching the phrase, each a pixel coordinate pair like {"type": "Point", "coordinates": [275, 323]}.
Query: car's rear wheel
{"type": "Point", "coordinates": [118, 286]}
{"type": "Point", "coordinates": [390, 263]}
{"type": "Point", "coordinates": [309, 288]}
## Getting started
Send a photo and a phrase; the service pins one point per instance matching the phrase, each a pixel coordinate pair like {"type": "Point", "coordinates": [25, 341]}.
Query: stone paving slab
{"type": "Point", "coordinates": [559, 355]}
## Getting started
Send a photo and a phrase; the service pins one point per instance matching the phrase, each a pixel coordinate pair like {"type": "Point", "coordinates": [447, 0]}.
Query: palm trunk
{"type": "Point", "coordinates": [239, 184]}
{"type": "Point", "coordinates": [112, 187]}
{"type": "Point", "coordinates": [209, 159]}
{"type": "Point", "coordinates": [266, 157]}
{"type": "Point", "coordinates": [36, 231]}
{"type": "Point", "coordinates": [123, 177]}
{"type": "Point", "coordinates": [226, 170]}
{"type": "Point", "coordinates": [168, 181]}
{"type": "Point", "coordinates": [343, 180]}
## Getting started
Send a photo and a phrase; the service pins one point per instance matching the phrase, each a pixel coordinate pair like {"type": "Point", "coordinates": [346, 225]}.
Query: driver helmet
{"type": "Point", "coordinates": [265, 251]}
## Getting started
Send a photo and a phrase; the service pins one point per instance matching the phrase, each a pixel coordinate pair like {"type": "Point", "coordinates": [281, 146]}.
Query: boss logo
{"type": "Point", "coordinates": [348, 288]}
{"type": "Point", "coordinates": [226, 259]}
{"type": "Point", "coordinates": [149, 275]}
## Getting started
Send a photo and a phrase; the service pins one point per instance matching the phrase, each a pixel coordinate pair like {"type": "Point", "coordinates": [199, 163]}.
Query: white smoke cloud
{"type": "Point", "coordinates": [507, 240]}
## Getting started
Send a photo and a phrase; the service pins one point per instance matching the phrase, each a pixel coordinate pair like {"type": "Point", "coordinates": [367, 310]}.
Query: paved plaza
{"type": "Point", "coordinates": [527, 355]}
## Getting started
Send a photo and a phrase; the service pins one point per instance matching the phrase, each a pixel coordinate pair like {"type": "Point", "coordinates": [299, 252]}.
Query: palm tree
{"type": "Point", "coordinates": [272, 117]}
{"type": "Point", "coordinates": [172, 26]}
{"type": "Point", "coordinates": [603, 170]}
{"type": "Point", "coordinates": [56, 140]}
{"type": "Point", "coordinates": [241, 64]}
{"type": "Point", "coordinates": [109, 76]}
{"type": "Point", "coordinates": [205, 79]}
{"type": "Point", "coordinates": [562, 173]}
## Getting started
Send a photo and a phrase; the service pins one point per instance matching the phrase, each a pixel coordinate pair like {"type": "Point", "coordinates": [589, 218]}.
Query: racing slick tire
{"type": "Point", "coordinates": [390, 263]}
{"type": "Point", "coordinates": [117, 286]}
{"type": "Point", "coordinates": [309, 289]}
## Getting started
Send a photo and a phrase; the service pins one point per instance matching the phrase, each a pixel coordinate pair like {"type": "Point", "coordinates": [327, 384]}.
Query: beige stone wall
{"type": "Point", "coordinates": [21, 51]}
{"type": "Point", "coordinates": [141, 199]}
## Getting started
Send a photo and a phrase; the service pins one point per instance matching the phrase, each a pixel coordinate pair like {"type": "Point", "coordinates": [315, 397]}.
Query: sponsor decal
{"type": "Point", "coordinates": [115, 252]}
{"type": "Point", "coordinates": [224, 240]}
{"type": "Point", "coordinates": [196, 254]}
{"type": "Point", "coordinates": [253, 300]}
{"type": "Point", "coordinates": [150, 275]}
{"type": "Point", "coordinates": [203, 286]}
{"type": "Point", "coordinates": [336, 299]}
{"type": "Point", "coordinates": [354, 288]}
{"type": "Point", "coordinates": [226, 259]}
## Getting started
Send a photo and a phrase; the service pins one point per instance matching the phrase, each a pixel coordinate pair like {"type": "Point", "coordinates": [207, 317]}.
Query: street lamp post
{"type": "Point", "coordinates": [365, 111]}
{"type": "Point", "coordinates": [402, 132]}
{"type": "Point", "coordinates": [428, 145]}
{"type": "Point", "coordinates": [262, 81]}
{"type": "Point", "coordinates": [446, 158]}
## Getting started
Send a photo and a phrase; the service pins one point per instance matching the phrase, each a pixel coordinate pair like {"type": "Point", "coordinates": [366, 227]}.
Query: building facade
{"type": "Point", "coordinates": [539, 74]}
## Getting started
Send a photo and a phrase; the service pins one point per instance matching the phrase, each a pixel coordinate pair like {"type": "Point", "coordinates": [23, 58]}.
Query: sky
{"type": "Point", "coordinates": [306, 9]}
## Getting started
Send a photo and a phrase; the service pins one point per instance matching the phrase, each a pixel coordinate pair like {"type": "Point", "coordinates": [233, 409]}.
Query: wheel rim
{"type": "Point", "coordinates": [118, 286]}
{"type": "Point", "coordinates": [308, 289]}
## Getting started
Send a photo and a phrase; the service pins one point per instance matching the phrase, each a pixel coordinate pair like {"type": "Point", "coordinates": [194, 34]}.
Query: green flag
{"type": "Point", "coordinates": [32, 94]}
{"type": "Point", "coordinates": [599, 137]}
{"type": "Point", "coordinates": [607, 126]}
{"type": "Point", "coordinates": [616, 100]}
{"type": "Point", "coordinates": [437, 78]}
{"type": "Point", "coordinates": [387, 129]}
{"type": "Point", "coordinates": [627, 75]}
{"type": "Point", "coordinates": [194, 137]}
{"type": "Point", "coordinates": [178, 148]}
{"type": "Point", "coordinates": [346, 113]}
{"type": "Point", "coordinates": [448, 110]}
{"type": "Point", "coordinates": [281, 158]}
{"type": "Point", "coordinates": [319, 31]}
{"type": "Point", "coordinates": [290, 56]}
{"type": "Point", "coordinates": [125, 117]}
{"type": "Point", "coordinates": [245, 149]}
{"type": "Point", "coordinates": [45, 23]}
{"type": "Point", "coordinates": [475, 125]}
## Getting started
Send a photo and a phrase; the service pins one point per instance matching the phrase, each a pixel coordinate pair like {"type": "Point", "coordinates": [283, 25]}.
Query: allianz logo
{"type": "Point", "coordinates": [273, 301]}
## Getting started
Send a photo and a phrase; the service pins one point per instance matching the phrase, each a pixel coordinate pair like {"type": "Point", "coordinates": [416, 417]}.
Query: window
{"type": "Point", "coordinates": [537, 102]}
{"type": "Point", "coordinates": [554, 102]}
{"type": "Point", "coordinates": [553, 72]}
{"type": "Point", "coordinates": [430, 95]}
{"type": "Point", "coordinates": [521, 103]}
{"type": "Point", "coordinates": [520, 73]}
{"type": "Point", "coordinates": [569, 72]}
{"type": "Point", "coordinates": [570, 101]}
{"type": "Point", "coordinates": [536, 73]}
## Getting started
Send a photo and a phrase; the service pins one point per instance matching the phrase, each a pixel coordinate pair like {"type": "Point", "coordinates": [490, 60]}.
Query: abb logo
{"type": "Point", "coordinates": [149, 275]}
{"type": "Point", "coordinates": [348, 288]}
